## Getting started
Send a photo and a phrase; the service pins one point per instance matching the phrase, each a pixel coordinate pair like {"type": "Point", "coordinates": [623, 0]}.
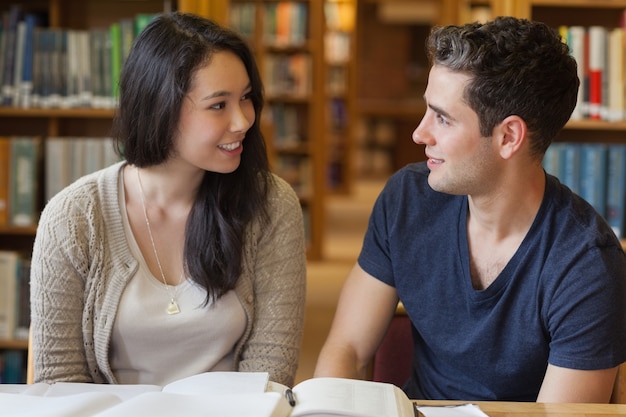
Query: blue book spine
{"type": "Point", "coordinates": [616, 189]}
{"type": "Point", "coordinates": [551, 159]}
{"type": "Point", "coordinates": [26, 88]}
{"type": "Point", "coordinates": [569, 172]}
{"type": "Point", "coordinates": [593, 173]}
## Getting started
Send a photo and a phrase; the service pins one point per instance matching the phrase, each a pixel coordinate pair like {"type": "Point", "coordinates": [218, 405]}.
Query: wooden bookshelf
{"type": "Point", "coordinates": [339, 53]}
{"type": "Point", "coordinates": [288, 40]}
{"type": "Point", "coordinates": [13, 344]}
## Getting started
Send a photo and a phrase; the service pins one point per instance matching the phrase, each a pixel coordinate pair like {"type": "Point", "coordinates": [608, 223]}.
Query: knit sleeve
{"type": "Point", "coordinates": [59, 265]}
{"type": "Point", "coordinates": [279, 277]}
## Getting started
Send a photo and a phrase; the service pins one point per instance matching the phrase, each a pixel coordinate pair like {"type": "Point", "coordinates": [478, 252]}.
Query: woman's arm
{"type": "Point", "coordinates": [279, 276]}
{"type": "Point", "coordinates": [57, 292]}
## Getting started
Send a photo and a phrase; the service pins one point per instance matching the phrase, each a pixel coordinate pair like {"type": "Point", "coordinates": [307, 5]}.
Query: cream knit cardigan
{"type": "Point", "coordinates": [81, 263]}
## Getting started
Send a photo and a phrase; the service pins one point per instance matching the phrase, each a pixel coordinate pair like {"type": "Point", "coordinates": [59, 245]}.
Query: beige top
{"type": "Point", "coordinates": [147, 343]}
{"type": "Point", "coordinates": [82, 263]}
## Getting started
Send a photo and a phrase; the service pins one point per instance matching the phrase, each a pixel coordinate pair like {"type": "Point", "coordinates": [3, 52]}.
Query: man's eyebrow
{"type": "Point", "coordinates": [440, 111]}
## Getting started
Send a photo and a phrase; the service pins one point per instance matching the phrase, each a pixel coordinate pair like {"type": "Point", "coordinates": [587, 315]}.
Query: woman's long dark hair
{"type": "Point", "coordinates": [154, 81]}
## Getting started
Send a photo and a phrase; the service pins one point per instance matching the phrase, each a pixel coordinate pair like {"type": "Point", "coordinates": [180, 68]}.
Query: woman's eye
{"type": "Point", "coordinates": [218, 106]}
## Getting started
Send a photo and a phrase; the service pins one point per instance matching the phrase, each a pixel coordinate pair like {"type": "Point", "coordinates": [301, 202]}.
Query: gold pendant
{"type": "Point", "coordinates": [172, 307]}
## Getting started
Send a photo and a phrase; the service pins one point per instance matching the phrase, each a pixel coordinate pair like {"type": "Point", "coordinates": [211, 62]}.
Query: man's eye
{"type": "Point", "coordinates": [442, 120]}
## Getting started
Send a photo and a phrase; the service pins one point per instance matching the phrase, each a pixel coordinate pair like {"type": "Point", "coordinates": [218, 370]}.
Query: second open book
{"type": "Point", "coordinates": [219, 394]}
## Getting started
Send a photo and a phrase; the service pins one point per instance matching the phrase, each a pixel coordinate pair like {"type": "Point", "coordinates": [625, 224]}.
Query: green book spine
{"type": "Point", "coordinates": [116, 57]}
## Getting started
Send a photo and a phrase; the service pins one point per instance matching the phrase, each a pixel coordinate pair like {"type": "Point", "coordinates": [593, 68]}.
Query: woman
{"type": "Point", "coordinates": [187, 257]}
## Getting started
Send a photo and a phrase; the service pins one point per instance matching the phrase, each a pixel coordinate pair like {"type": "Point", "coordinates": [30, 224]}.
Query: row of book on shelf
{"type": "Point", "coordinates": [32, 170]}
{"type": "Point", "coordinates": [285, 22]}
{"type": "Point", "coordinates": [56, 67]}
{"type": "Point", "coordinates": [596, 172]}
{"type": "Point", "coordinates": [599, 53]}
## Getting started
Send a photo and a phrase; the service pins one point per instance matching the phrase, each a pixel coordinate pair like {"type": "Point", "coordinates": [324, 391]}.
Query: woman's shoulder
{"type": "Point", "coordinates": [281, 190]}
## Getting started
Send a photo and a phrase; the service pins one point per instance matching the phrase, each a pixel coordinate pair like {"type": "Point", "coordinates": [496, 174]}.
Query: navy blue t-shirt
{"type": "Point", "coordinates": [560, 300]}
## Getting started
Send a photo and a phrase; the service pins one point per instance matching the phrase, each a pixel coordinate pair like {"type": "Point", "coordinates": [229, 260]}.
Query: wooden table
{"type": "Point", "coordinates": [514, 409]}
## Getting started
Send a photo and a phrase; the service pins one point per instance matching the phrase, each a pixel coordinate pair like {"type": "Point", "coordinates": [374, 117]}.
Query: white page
{"type": "Point", "coordinates": [205, 383]}
{"type": "Point", "coordinates": [464, 410]}
{"type": "Point", "coordinates": [15, 388]}
{"type": "Point", "coordinates": [347, 397]}
{"type": "Point", "coordinates": [123, 391]}
{"type": "Point", "coordinates": [165, 404]}
{"type": "Point", "coordinates": [220, 383]}
{"type": "Point", "coordinates": [78, 405]}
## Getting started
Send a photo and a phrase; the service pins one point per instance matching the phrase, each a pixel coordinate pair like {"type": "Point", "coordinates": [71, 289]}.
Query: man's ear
{"type": "Point", "coordinates": [511, 135]}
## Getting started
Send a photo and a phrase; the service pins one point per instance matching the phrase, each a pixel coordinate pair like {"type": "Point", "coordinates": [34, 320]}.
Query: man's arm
{"type": "Point", "coordinates": [577, 386]}
{"type": "Point", "coordinates": [365, 308]}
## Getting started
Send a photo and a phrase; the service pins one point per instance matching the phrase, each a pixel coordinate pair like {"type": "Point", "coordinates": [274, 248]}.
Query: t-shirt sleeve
{"type": "Point", "coordinates": [586, 317]}
{"type": "Point", "coordinates": [375, 257]}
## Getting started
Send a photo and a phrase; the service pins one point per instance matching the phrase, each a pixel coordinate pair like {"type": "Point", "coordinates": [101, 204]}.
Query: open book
{"type": "Point", "coordinates": [219, 394]}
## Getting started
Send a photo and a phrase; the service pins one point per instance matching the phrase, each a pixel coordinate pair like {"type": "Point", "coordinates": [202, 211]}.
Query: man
{"type": "Point", "coordinates": [514, 285]}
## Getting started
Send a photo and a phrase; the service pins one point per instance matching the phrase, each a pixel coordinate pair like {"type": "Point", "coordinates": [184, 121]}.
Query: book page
{"type": "Point", "coordinates": [463, 410]}
{"type": "Point", "coordinates": [349, 397]}
{"type": "Point", "coordinates": [220, 383]}
{"type": "Point", "coordinates": [165, 404]}
{"type": "Point", "coordinates": [205, 383]}
{"type": "Point", "coordinates": [78, 405]}
{"type": "Point", "coordinates": [123, 391]}
{"type": "Point", "coordinates": [30, 389]}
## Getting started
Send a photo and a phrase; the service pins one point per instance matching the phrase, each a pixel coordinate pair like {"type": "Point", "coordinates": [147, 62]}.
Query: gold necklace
{"type": "Point", "coordinates": [172, 307]}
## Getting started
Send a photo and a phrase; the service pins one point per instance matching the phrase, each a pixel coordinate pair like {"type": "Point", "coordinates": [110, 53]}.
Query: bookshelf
{"type": "Point", "coordinates": [339, 53]}
{"type": "Point", "coordinates": [288, 40]}
{"type": "Point", "coordinates": [390, 82]}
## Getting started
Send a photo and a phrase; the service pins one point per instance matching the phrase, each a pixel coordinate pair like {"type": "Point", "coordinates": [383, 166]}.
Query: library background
{"type": "Point", "coordinates": [344, 81]}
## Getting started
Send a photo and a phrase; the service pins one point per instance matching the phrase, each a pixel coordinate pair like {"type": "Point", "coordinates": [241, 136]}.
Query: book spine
{"type": "Point", "coordinates": [25, 160]}
{"type": "Point", "coordinates": [616, 189]}
{"type": "Point", "coordinates": [13, 372]}
{"type": "Point", "coordinates": [57, 165]}
{"type": "Point", "coordinates": [116, 58]}
{"type": "Point", "coordinates": [5, 151]}
{"type": "Point", "coordinates": [597, 70]}
{"type": "Point", "coordinates": [576, 42]}
{"type": "Point", "coordinates": [84, 69]}
{"type": "Point", "coordinates": [9, 269]}
{"type": "Point", "coordinates": [22, 322]}
{"type": "Point", "coordinates": [20, 39]}
{"type": "Point", "coordinates": [615, 77]}
{"type": "Point", "coordinates": [593, 168]}
{"type": "Point", "coordinates": [569, 172]}
{"type": "Point", "coordinates": [9, 28]}
{"type": "Point", "coordinates": [27, 85]}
